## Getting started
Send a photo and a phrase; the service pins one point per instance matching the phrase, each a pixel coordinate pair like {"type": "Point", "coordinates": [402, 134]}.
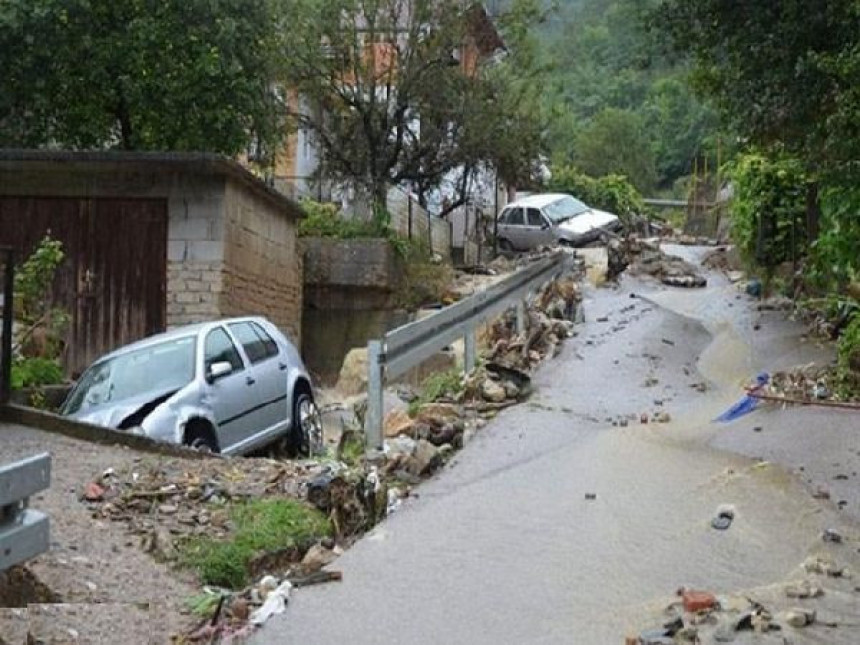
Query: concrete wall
{"type": "Point", "coordinates": [349, 274]}
{"type": "Point", "coordinates": [262, 267]}
{"type": "Point", "coordinates": [195, 251]}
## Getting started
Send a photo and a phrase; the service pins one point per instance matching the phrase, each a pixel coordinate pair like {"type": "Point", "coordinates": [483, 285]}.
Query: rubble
{"type": "Point", "coordinates": [646, 258]}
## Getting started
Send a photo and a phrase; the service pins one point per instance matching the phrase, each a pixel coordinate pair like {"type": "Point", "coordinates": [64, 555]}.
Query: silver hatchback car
{"type": "Point", "coordinates": [229, 386]}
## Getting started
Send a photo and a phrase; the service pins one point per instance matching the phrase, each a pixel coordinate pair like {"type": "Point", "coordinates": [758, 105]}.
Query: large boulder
{"type": "Point", "coordinates": [353, 373]}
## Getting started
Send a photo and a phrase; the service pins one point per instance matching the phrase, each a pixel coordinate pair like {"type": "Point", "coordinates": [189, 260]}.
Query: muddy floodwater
{"type": "Point", "coordinates": [567, 520]}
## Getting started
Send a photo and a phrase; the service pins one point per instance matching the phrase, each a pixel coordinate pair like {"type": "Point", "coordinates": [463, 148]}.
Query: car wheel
{"type": "Point", "coordinates": [506, 246]}
{"type": "Point", "coordinates": [306, 434]}
{"type": "Point", "coordinates": [201, 438]}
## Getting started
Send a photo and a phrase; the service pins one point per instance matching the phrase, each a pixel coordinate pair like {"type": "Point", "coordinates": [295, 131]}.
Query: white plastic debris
{"type": "Point", "coordinates": [276, 603]}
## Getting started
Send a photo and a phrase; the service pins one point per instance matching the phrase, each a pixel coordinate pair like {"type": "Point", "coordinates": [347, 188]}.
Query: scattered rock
{"type": "Point", "coordinates": [591, 496]}
{"type": "Point", "coordinates": [492, 391]}
{"type": "Point", "coordinates": [438, 413]}
{"type": "Point", "coordinates": [800, 617]}
{"type": "Point", "coordinates": [832, 535]}
{"type": "Point", "coordinates": [318, 557]}
{"type": "Point", "coordinates": [511, 390]}
{"type": "Point", "coordinates": [396, 423]}
{"type": "Point", "coordinates": [723, 519]}
{"type": "Point", "coordinates": [804, 589]}
{"type": "Point", "coordinates": [663, 417]}
{"type": "Point", "coordinates": [425, 459]}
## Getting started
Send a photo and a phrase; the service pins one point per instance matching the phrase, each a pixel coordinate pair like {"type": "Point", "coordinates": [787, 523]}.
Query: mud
{"type": "Point", "coordinates": [568, 520]}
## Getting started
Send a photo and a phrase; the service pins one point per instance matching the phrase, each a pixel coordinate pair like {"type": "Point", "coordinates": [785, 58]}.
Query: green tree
{"type": "Point", "coordinates": [784, 73]}
{"type": "Point", "coordinates": [389, 101]}
{"type": "Point", "coordinates": [604, 54]}
{"type": "Point", "coordinates": [615, 142]}
{"type": "Point", "coordinates": [139, 74]}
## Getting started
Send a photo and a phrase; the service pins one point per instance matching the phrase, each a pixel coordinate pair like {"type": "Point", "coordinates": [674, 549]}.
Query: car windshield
{"type": "Point", "coordinates": [564, 208]}
{"type": "Point", "coordinates": [157, 368]}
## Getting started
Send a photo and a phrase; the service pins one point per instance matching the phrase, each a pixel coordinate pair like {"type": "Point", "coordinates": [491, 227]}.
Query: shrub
{"type": "Point", "coordinates": [324, 220]}
{"type": "Point", "coordinates": [769, 208]}
{"type": "Point", "coordinates": [35, 372]}
{"type": "Point", "coordinates": [835, 259]}
{"type": "Point", "coordinates": [612, 193]}
{"type": "Point", "coordinates": [849, 353]}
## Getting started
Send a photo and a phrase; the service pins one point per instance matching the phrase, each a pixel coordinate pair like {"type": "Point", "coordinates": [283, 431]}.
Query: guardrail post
{"type": "Point", "coordinates": [521, 316]}
{"type": "Point", "coordinates": [470, 352]}
{"type": "Point", "coordinates": [373, 418]}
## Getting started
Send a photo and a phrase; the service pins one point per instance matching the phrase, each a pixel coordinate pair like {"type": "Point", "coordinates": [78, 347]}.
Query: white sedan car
{"type": "Point", "coordinates": [549, 218]}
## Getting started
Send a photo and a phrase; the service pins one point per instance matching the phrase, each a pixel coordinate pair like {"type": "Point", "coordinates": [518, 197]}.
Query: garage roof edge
{"type": "Point", "coordinates": [188, 162]}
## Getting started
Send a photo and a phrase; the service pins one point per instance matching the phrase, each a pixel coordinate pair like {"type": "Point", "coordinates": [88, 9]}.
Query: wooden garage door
{"type": "Point", "coordinates": [113, 280]}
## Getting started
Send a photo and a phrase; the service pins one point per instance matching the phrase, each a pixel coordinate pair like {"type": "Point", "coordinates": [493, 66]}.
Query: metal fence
{"type": "Point", "coordinates": [24, 532]}
{"type": "Point", "coordinates": [406, 347]}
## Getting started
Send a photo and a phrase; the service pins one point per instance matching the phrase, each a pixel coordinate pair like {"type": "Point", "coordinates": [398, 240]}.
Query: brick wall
{"type": "Point", "coordinates": [261, 267]}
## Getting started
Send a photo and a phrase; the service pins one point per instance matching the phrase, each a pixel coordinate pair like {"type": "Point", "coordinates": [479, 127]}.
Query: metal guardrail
{"type": "Point", "coordinates": [406, 347]}
{"type": "Point", "coordinates": [24, 532]}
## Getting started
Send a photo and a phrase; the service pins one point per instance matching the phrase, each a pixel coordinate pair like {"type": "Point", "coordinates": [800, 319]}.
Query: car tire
{"type": "Point", "coordinates": [306, 434]}
{"type": "Point", "coordinates": [200, 437]}
{"type": "Point", "coordinates": [505, 246]}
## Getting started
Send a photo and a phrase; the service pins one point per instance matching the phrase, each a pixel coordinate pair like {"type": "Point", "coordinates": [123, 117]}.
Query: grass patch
{"type": "Point", "coordinates": [437, 386]}
{"type": "Point", "coordinates": [261, 526]}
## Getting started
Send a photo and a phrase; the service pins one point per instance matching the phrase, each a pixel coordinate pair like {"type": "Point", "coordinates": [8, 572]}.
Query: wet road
{"type": "Point", "coordinates": [504, 547]}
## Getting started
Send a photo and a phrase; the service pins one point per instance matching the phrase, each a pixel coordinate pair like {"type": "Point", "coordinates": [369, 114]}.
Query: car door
{"type": "Point", "coordinates": [514, 232]}
{"type": "Point", "coordinates": [536, 230]}
{"type": "Point", "coordinates": [269, 371]}
{"type": "Point", "coordinates": [232, 398]}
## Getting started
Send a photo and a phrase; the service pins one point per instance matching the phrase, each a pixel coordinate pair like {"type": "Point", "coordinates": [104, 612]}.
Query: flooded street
{"type": "Point", "coordinates": [568, 520]}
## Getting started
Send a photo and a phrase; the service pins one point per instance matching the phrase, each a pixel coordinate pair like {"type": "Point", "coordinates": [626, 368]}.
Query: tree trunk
{"type": "Point", "coordinates": [813, 212]}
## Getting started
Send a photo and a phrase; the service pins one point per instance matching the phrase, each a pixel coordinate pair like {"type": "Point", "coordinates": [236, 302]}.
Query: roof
{"type": "Point", "coordinates": [174, 334]}
{"type": "Point", "coordinates": [538, 201]}
{"type": "Point", "coordinates": [200, 163]}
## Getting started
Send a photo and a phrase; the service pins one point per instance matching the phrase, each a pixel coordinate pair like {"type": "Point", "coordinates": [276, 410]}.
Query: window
{"type": "Point", "coordinates": [269, 345]}
{"type": "Point", "coordinates": [535, 218]}
{"type": "Point", "coordinates": [255, 345]}
{"type": "Point", "coordinates": [220, 349]}
{"type": "Point", "coordinates": [515, 217]}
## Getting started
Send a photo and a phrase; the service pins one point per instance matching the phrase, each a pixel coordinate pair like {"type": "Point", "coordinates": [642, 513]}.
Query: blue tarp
{"type": "Point", "coordinates": [747, 404]}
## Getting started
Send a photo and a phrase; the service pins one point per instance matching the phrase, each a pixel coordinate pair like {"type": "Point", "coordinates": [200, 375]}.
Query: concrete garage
{"type": "Point", "coordinates": [153, 240]}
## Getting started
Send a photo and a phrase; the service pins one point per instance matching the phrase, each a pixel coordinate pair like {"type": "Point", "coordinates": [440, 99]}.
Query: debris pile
{"type": "Point", "coordinates": [548, 322]}
{"type": "Point", "coordinates": [648, 259]}
{"type": "Point", "coordinates": [702, 617]}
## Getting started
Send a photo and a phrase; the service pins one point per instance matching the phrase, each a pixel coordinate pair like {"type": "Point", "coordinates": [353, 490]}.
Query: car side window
{"type": "Point", "coordinates": [535, 218]}
{"type": "Point", "coordinates": [270, 347]}
{"type": "Point", "coordinates": [253, 345]}
{"type": "Point", "coordinates": [218, 348]}
{"type": "Point", "coordinates": [515, 217]}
